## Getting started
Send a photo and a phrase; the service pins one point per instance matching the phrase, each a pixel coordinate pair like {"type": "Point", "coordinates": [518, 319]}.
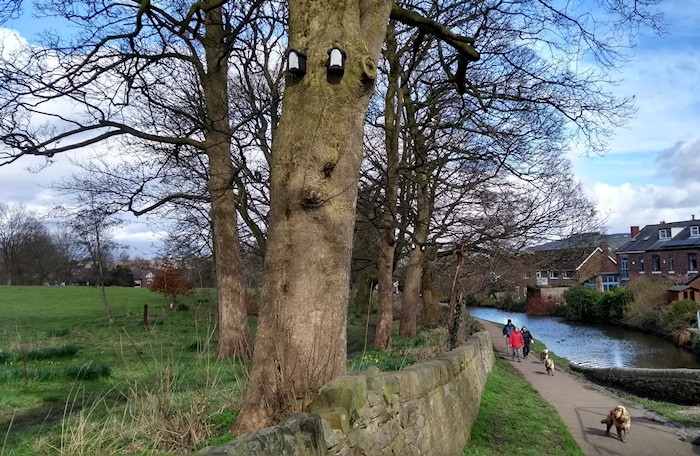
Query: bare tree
{"type": "Point", "coordinates": [19, 227]}
{"type": "Point", "coordinates": [151, 76]}
{"type": "Point", "coordinates": [92, 226]}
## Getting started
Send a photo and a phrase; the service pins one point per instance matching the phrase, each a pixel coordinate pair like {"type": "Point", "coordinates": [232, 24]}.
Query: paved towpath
{"type": "Point", "coordinates": [582, 405]}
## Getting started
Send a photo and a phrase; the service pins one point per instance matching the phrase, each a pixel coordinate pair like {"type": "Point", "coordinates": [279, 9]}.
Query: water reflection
{"type": "Point", "coordinates": [597, 345]}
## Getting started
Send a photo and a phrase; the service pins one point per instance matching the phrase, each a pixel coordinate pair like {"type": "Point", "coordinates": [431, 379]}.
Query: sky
{"type": "Point", "coordinates": [650, 173]}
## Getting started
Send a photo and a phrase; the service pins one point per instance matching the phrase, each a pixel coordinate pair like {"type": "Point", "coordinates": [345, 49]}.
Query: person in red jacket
{"type": "Point", "coordinates": [516, 342]}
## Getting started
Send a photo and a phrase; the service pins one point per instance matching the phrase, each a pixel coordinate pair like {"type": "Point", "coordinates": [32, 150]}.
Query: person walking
{"type": "Point", "coordinates": [516, 342]}
{"type": "Point", "coordinates": [527, 338]}
{"type": "Point", "coordinates": [507, 330]}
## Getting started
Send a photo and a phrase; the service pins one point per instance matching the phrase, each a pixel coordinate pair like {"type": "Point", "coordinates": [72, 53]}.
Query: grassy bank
{"type": "Point", "coordinates": [514, 419]}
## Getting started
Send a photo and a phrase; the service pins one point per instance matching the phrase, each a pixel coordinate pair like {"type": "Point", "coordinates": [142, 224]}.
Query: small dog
{"type": "Point", "coordinates": [549, 365]}
{"type": "Point", "coordinates": [544, 354]}
{"type": "Point", "coordinates": [621, 419]}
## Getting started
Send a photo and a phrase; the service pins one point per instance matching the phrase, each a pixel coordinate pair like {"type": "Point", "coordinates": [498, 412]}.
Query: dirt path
{"type": "Point", "coordinates": [582, 405]}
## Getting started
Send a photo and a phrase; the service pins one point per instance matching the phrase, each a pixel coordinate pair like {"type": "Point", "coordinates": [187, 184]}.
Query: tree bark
{"type": "Point", "coordinates": [455, 283]}
{"type": "Point", "coordinates": [430, 310]}
{"type": "Point", "coordinates": [393, 107]}
{"type": "Point", "coordinates": [364, 292]}
{"type": "Point", "coordinates": [414, 273]}
{"type": "Point", "coordinates": [301, 338]}
{"type": "Point", "coordinates": [232, 324]}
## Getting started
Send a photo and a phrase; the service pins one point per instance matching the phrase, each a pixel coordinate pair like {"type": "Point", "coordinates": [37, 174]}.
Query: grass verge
{"type": "Point", "coordinates": [514, 419]}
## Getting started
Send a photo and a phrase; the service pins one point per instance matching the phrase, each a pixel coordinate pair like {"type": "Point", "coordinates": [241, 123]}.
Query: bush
{"type": "Point", "coordinates": [540, 305]}
{"type": "Point", "coordinates": [582, 304]}
{"type": "Point", "coordinates": [517, 306]}
{"type": "Point", "coordinates": [651, 320]}
{"type": "Point", "coordinates": [614, 303]}
{"type": "Point", "coordinates": [680, 315]}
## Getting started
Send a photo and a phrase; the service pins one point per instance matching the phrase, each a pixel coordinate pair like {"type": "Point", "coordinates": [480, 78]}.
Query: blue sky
{"type": "Point", "coordinates": [650, 173]}
{"type": "Point", "coordinates": [652, 170]}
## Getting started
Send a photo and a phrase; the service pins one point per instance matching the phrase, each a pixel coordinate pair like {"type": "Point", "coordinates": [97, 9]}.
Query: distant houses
{"type": "Point", "coordinates": [143, 278]}
{"type": "Point", "coordinates": [601, 262]}
{"type": "Point", "coordinates": [664, 249]}
{"type": "Point", "coordinates": [583, 259]}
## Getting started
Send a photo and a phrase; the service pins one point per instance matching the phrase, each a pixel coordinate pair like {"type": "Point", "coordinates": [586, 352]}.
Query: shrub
{"type": "Point", "coordinates": [680, 315]}
{"type": "Point", "coordinates": [647, 293]}
{"type": "Point", "coordinates": [582, 304]}
{"type": "Point", "coordinates": [614, 303]}
{"type": "Point", "coordinates": [651, 319]}
{"type": "Point", "coordinates": [540, 305]}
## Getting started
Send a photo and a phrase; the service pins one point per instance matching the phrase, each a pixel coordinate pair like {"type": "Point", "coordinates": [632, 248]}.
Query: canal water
{"type": "Point", "coordinates": [596, 345]}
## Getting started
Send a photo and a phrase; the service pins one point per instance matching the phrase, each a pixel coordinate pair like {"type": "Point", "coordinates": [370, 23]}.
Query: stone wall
{"type": "Point", "coordinates": [680, 386]}
{"type": "Point", "coordinates": [425, 409]}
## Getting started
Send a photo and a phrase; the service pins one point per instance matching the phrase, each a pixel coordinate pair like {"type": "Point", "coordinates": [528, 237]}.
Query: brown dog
{"type": "Point", "coordinates": [549, 365]}
{"type": "Point", "coordinates": [544, 354]}
{"type": "Point", "coordinates": [621, 419]}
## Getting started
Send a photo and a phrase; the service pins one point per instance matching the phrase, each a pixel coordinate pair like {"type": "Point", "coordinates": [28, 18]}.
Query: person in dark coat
{"type": "Point", "coordinates": [527, 338]}
{"type": "Point", "coordinates": [507, 329]}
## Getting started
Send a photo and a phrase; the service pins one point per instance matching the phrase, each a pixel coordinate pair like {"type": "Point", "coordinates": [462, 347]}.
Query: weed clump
{"type": "Point", "coordinates": [90, 371]}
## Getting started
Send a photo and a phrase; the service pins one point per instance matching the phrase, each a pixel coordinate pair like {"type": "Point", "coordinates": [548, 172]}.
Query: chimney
{"type": "Point", "coordinates": [634, 231]}
{"type": "Point", "coordinates": [692, 217]}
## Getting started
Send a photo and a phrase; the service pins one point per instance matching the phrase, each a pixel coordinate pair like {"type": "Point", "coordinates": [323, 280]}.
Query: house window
{"type": "Point", "coordinates": [641, 265]}
{"type": "Point", "coordinates": [670, 264]}
{"type": "Point", "coordinates": [665, 234]}
{"type": "Point", "coordinates": [611, 279]}
{"type": "Point", "coordinates": [695, 231]}
{"type": "Point", "coordinates": [624, 268]}
{"type": "Point", "coordinates": [568, 274]}
{"type": "Point", "coordinates": [655, 264]}
{"type": "Point", "coordinates": [692, 262]}
{"type": "Point", "coordinates": [541, 274]}
{"type": "Point", "coordinates": [553, 274]}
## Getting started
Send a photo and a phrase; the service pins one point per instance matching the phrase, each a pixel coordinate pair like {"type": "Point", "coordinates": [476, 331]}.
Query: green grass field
{"type": "Point", "coordinates": [72, 384]}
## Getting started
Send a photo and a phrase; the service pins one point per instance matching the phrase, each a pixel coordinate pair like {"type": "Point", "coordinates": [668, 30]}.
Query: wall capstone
{"type": "Point", "coordinates": [680, 386]}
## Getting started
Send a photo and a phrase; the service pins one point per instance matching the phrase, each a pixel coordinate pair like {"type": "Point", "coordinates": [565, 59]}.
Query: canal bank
{"type": "Point", "coordinates": [582, 405]}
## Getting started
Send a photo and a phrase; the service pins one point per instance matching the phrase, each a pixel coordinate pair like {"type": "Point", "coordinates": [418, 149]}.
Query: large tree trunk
{"type": "Point", "coordinates": [385, 263]}
{"type": "Point", "coordinates": [301, 337]}
{"type": "Point", "coordinates": [364, 292]}
{"type": "Point", "coordinates": [414, 273]}
{"type": "Point", "coordinates": [430, 309]}
{"type": "Point", "coordinates": [233, 332]}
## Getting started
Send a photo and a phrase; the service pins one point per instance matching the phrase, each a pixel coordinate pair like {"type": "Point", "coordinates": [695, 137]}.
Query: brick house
{"type": "Point", "coordinates": [143, 278]}
{"type": "Point", "coordinates": [665, 249]}
{"type": "Point", "coordinates": [584, 259]}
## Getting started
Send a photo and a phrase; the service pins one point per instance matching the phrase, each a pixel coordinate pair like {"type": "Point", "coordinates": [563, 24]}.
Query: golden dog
{"type": "Point", "coordinates": [549, 365]}
{"type": "Point", "coordinates": [544, 354]}
{"type": "Point", "coordinates": [621, 419]}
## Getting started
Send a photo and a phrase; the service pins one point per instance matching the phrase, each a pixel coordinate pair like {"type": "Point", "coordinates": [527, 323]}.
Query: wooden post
{"type": "Point", "coordinates": [145, 316]}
